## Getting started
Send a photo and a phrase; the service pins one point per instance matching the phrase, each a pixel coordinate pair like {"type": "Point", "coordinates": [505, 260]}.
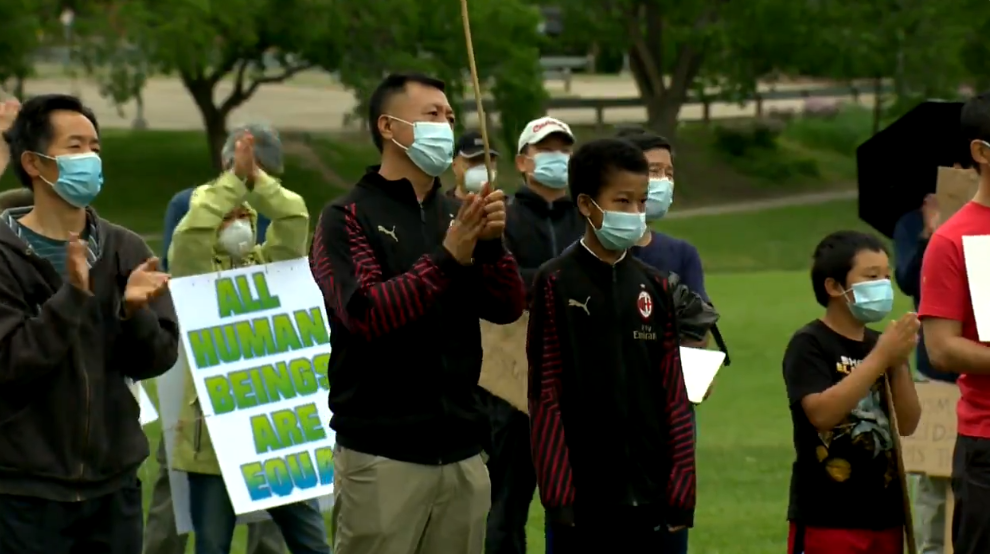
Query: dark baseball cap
{"type": "Point", "coordinates": [471, 145]}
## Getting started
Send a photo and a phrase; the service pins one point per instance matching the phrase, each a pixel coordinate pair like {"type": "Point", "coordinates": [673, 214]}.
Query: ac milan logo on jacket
{"type": "Point", "coordinates": [645, 304]}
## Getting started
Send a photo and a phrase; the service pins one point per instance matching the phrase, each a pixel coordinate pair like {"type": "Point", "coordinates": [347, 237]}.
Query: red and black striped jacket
{"type": "Point", "coordinates": [610, 416]}
{"type": "Point", "coordinates": [404, 318]}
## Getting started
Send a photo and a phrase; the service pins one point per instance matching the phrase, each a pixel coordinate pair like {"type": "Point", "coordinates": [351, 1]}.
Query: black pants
{"type": "Point", "coordinates": [971, 488]}
{"type": "Point", "coordinates": [110, 524]}
{"type": "Point", "coordinates": [510, 467]}
{"type": "Point", "coordinates": [622, 530]}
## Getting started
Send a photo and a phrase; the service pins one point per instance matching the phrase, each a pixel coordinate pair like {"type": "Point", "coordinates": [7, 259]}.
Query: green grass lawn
{"type": "Point", "coordinates": [757, 275]}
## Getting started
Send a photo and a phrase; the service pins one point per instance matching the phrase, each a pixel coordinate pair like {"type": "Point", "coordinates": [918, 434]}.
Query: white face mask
{"type": "Point", "coordinates": [475, 178]}
{"type": "Point", "coordinates": [237, 239]}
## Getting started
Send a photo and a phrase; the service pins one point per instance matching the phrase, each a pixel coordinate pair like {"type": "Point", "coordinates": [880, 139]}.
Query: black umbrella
{"type": "Point", "coordinates": [898, 166]}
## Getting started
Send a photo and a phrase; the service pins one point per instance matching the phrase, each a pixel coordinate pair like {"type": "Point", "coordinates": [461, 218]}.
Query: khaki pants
{"type": "Point", "coordinates": [383, 506]}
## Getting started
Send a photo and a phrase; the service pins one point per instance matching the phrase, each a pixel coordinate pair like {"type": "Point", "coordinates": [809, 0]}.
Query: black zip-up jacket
{"type": "Point", "coordinates": [404, 315]}
{"type": "Point", "coordinates": [537, 231]}
{"type": "Point", "coordinates": [69, 426]}
{"type": "Point", "coordinates": [606, 384]}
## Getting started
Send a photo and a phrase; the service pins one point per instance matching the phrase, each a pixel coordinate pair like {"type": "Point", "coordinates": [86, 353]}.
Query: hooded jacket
{"type": "Point", "coordinates": [537, 231]}
{"type": "Point", "coordinates": [194, 251]}
{"type": "Point", "coordinates": [69, 423]}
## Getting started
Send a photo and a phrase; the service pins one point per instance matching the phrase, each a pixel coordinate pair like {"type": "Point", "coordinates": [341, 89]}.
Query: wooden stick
{"type": "Point", "coordinates": [909, 542]}
{"type": "Point", "coordinates": [477, 93]}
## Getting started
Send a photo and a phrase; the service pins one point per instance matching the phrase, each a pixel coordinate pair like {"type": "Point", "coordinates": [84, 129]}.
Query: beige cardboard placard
{"type": "Point", "coordinates": [953, 189]}
{"type": "Point", "coordinates": [929, 449]}
{"type": "Point", "coordinates": [504, 368]}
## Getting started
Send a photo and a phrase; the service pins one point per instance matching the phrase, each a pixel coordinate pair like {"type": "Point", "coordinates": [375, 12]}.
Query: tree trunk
{"type": "Point", "coordinates": [214, 120]}
{"type": "Point", "coordinates": [663, 106]}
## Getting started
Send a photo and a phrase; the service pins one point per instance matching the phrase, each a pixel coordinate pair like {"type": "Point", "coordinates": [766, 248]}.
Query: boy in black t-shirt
{"type": "Point", "coordinates": [845, 495]}
{"type": "Point", "coordinates": [605, 374]}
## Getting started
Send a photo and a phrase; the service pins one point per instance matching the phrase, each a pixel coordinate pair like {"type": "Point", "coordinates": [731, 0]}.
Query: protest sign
{"type": "Point", "coordinates": [504, 369]}
{"type": "Point", "coordinates": [976, 253]}
{"type": "Point", "coordinates": [929, 449]}
{"type": "Point", "coordinates": [953, 189]}
{"type": "Point", "coordinates": [699, 367]}
{"type": "Point", "coordinates": [257, 344]}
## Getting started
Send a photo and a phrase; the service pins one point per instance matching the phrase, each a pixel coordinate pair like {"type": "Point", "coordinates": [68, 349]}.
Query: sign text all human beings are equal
{"type": "Point", "coordinates": [258, 344]}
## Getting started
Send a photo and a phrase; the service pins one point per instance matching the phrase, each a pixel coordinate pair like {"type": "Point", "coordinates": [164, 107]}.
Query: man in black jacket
{"type": "Point", "coordinates": [406, 273]}
{"type": "Point", "coordinates": [541, 221]}
{"type": "Point", "coordinates": [83, 312]}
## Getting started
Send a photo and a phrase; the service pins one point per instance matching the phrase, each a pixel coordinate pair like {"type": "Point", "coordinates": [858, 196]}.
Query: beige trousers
{"type": "Point", "coordinates": [383, 506]}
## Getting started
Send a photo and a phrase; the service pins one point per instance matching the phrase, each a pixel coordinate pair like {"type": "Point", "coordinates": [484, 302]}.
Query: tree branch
{"type": "Point", "coordinates": [652, 67]}
{"type": "Point", "coordinates": [239, 95]}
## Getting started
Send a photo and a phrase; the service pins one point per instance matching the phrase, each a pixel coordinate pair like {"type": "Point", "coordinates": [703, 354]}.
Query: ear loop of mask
{"type": "Point", "coordinates": [395, 142]}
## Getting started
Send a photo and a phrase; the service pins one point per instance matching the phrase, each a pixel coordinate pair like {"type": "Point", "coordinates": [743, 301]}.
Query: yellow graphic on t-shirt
{"type": "Point", "coordinates": [865, 430]}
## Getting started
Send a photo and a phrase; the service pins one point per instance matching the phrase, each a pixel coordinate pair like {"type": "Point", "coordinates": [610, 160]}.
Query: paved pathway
{"type": "Point", "coordinates": [316, 103]}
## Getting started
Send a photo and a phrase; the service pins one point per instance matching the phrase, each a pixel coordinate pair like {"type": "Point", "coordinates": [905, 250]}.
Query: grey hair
{"type": "Point", "coordinates": [267, 146]}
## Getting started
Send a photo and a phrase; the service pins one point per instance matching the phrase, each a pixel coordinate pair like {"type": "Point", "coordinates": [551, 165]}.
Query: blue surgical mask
{"type": "Point", "coordinates": [432, 149]}
{"type": "Point", "coordinates": [620, 230]}
{"type": "Point", "coordinates": [659, 198]}
{"type": "Point", "coordinates": [550, 169]}
{"type": "Point", "coordinates": [872, 300]}
{"type": "Point", "coordinates": [80, 177]}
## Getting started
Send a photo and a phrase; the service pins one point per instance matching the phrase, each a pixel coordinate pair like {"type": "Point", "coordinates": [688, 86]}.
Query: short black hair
{"type": "Point", "coordinates": [974, 121]}
{"type": "Point", "coordinates": [393, 84]}
{"type": "Point", "coordinates": [589, 167]}
{"type": "Point", "coordinates": [833, 258]}
{"type": "Point", "coordinates": [645, 140]}
{"type": "Point", "coordinates": [32, 130]}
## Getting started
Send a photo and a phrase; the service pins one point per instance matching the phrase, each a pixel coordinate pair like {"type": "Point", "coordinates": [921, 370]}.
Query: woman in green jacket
{"type": "Point", "coordinates": [218, 233]}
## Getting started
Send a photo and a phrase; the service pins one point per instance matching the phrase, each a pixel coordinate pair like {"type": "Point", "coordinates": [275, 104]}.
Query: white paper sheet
{"type": "Point", "coordinates": [700, 367]}
{"type": "Point", "coordinates": [976, 252]}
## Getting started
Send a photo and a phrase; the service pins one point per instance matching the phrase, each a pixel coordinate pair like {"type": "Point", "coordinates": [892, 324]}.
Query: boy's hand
{"type": "Point", "coordinates": [676, 528]}
{"type": "Point", "coordinates": [899, 340]}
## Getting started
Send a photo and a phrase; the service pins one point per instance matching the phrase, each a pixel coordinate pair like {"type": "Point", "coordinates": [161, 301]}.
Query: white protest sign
{"type": "Point", "coordinates": [148, 412]}
{"type": "Point", "coordinates": [700, 367]}
{"type": "Point", "coordinates": [257, 344]}
{"type": "Point", "coordinates": [976, 252]}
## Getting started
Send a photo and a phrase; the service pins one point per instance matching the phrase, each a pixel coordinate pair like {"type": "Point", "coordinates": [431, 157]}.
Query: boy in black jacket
{"type": "Point", "coordinates": [605, 373]}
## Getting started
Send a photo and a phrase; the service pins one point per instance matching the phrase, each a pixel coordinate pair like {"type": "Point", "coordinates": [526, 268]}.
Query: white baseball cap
{"type": "Point", "coordinates": [541, 128]}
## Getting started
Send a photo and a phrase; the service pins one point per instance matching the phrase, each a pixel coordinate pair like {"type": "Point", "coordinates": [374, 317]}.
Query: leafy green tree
{"type": "Point", "coordinates": [702, 47]}
{"type": "Point", "coordinates": [249, 43]}
{"type": "Point", "coordinates": [431, 39]}
{"type": "Point", "coordinates": [21, 27]}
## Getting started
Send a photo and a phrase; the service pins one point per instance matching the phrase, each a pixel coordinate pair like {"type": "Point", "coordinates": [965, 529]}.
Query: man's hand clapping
{"type": "Point", "coordinates": [494, 213]}
{"type": "Point", "coordinates": [144, 284]}
{"type": "Point", "coordinates": [463, 232]}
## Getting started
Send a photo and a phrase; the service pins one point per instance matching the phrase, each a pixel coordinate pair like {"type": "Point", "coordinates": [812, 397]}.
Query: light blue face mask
{"type": "Point", "coordinates": [550, 169]}
{"type": "Point", "coordinates": [620, 230]}
{"type": "Point", "coordinates": [659, 198]}
{"type": "Point", "coordinates": [432, 149]}
{"type": "Point", "coordinates": [872, 300]}
{"type": "Point", "coordinates": [80, 177]}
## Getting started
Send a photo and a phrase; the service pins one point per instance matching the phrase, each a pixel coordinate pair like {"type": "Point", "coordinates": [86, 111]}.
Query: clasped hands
{"type": "Point", "coordinates": [481, 217]}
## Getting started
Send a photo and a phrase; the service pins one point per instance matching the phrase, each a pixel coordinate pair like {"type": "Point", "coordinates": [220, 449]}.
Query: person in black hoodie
{"type": "Point", "coordinates": [605, 381]}
{"type": "Point", "coordinates": [406, 274]}
{"type": "Point", "coordinates": [83, 313]}
{"type": "Point", "coordinates": [541, 221]}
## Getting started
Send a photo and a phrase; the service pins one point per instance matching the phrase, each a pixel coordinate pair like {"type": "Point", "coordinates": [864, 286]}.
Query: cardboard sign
{"type": "Point", "coordinates": [504, 368]}
{"type": "Point", "coordinates": [954, 188]}
{"type": "Point", "coordinates": [929, 449]}
{"type": "Point", "coordinates": [257, 344]}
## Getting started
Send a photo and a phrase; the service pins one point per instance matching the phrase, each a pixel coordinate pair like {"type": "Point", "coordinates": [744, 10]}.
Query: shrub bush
{"type": "Point", "coordinates": [742, 139]}
{"type": "Point", "coordinates": [839, 132]}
